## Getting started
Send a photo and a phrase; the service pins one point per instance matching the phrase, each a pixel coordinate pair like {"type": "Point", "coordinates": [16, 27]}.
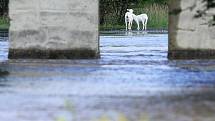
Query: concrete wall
{"type": "Point", "coordinates": [191, 29]}
{"type": "Point", "coordinates": [54, 29]}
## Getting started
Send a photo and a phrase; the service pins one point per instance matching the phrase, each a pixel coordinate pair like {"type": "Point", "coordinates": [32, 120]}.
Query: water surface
{"type": "Point", "coordinates": [133, 80]}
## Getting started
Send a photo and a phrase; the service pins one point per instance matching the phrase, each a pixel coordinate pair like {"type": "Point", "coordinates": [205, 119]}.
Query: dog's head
{"type": "Point", "coordinates": [130, 10]}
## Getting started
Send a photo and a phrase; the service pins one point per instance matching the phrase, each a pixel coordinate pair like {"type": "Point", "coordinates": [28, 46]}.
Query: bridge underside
{"type": "Point", "coordinates": [191, 29]}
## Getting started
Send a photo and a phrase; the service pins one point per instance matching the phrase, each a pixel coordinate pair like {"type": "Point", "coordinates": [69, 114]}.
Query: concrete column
{"type": "Point", "coordinates": [54, 29]}
{"type": "Point", "coordinates": [191, 29]}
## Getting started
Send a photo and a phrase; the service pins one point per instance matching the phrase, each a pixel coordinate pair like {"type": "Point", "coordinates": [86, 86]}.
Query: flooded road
{"type": "Point", "coordinates": [133, 81]}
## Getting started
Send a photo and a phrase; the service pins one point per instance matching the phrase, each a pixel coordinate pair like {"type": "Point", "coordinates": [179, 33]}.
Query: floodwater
{"type": "Point", "coordinates": [133, 81]}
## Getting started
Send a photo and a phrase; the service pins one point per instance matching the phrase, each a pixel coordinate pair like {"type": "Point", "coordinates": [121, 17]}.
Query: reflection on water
{"type": "Point", "coordinates": [3, 49]}
{"type": "Point", "coordinates": [133, 79]}
{"type": "Point", "coordinates": [138, 33]}
{"type": "Point", "coordinates": [3, 73]}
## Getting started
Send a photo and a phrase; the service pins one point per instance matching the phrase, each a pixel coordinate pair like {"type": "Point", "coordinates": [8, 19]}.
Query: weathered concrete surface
{"type": "Point", "coordinates": [54, 29]}
{"type": "Point", "coordinates": [191, 29]}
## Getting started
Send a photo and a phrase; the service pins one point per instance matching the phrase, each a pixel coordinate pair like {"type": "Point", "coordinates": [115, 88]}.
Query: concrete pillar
{"type": "Point", "coordinates": [54, 29]}
{"type": "Point", "coordinates": [191, 29]}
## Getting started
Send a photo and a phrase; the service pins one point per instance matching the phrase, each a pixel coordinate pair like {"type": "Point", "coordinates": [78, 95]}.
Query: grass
{"type": "Point", "coordinates": [111, 27]}
{"type": "Point", "coordinates": [4, 23]}
{"type": "Point", "coordinates": [157, 13]}
{"type": "Point", "coordinates": [71, 109]}
{"type": "Point", "coordinates": [158, 18]}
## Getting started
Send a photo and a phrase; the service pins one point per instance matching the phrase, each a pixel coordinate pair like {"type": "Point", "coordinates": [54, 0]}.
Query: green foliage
{"type": "Point", "coordinates": [4, 22]}
{"type": "Point", "coordinates": [163, 2]}
{"type": "Point", "coordinates": [4, 7]}
{"type": "Point", "coordinates": [112, 12]}
{"type": "Point", "coordinates": [157, 12]}
{"type": "Point", "coordinates": [71, 109]}
{"type": "Point", "coordinates": [209, 4]}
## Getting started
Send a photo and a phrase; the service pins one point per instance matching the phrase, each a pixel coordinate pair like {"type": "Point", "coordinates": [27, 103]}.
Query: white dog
{"type": "Point", "coordinates": [129, 19]}
{"type": "Point", "coordinates": [130, 16]}
{"type": "Point", "coordinates": [141, 18]}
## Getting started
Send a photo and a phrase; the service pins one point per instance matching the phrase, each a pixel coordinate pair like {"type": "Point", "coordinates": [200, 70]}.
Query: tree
{"type": "Point", "coordinates": [115, 8]}
{"type": "Point", "coordinates": [4, 7]}
{"type": "Point", "coordinates": [210, 4]}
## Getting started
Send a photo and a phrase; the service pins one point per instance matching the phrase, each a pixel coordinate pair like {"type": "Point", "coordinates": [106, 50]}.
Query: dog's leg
{"type": "Point", "coordinates": [146, 21]}
{"type": "Point", "coordinates": [126, 25]}
{"type": "Point", "coordinates": [143, 22]}
{"type": "Point", "coordinates": [131, 24]}
{"type": "Point", "coordinates": [138, 25]}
